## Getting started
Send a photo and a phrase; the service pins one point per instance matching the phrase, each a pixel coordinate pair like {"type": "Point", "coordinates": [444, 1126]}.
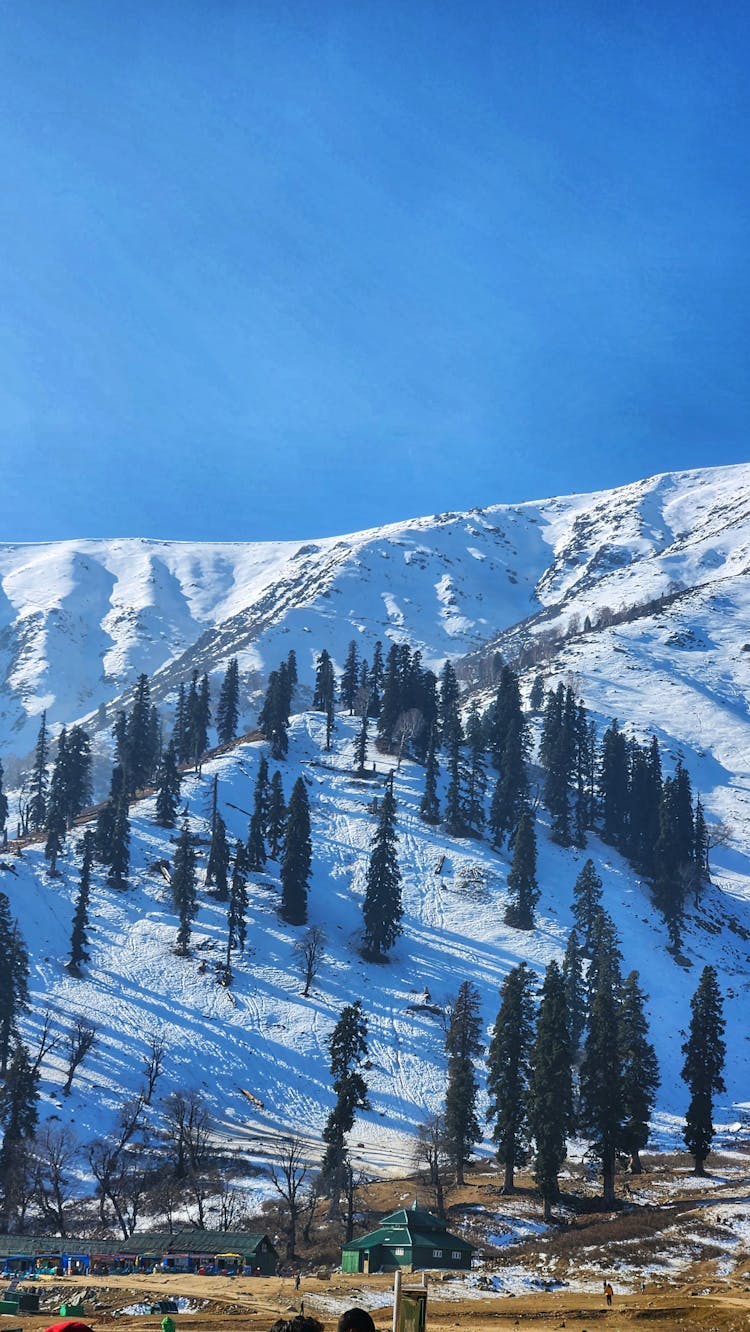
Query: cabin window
{"type": "Point", "coordinates": [455, 1254]}
{"type": "Point", "coordinates": [437, 1253]}
{"type": "Point", "coordinates": [399, 1253]}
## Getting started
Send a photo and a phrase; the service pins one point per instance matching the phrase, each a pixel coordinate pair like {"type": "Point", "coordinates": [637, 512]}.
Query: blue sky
{"type": "Point", "coordinates": [287, 269]}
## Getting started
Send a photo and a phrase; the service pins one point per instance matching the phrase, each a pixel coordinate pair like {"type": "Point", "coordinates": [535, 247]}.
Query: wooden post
{"type": "Point", "coordinates": [396, 1296]}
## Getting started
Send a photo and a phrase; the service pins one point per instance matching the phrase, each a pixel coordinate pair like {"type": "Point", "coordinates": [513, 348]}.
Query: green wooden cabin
{"type": "Point", "coordinates": [411, 1238]}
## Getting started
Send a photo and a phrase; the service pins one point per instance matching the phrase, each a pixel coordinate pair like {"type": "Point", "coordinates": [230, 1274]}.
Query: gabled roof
{"type": "Point", "coordinates": [410, 1228]}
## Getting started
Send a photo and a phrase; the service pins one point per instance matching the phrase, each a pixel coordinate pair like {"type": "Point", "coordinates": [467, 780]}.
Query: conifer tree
{"type": "Point", "coordinates": [453, 811]}
{"type": "Point", "coordinates": [227, 711]}
{"type": "Point", "coordinates": [169, 783]}
{"type": "Point", "coordinates": [56, 825]}
{"type": "Point", "coordinates": [375, 681]}
{"type": "Point", "coordinates": [119, 848]}
{"type": "Point", "coordinates": [78, 936]}
{"type": "Point", "coordinates": [183, 884]}
{"type": "Point", "coordinates": [261, 794]}
{"type": "Point", "coordinates": [451, 731]}
{"type": "Point", "coordinates": [139, 755]}
{"type": "Point", "coordinates": [476, 775]}
{"type": "Point", "coordinates": [640, 1072]}
{"type": "Point", "coordinates": [77, 773]}
{"type": "Point", "coordinates": [602, 1110]}
{"type": "Point", "coordinates": [37, 808]}
{"type": "Point", "coordinates": [347, 1046]}
{"type": "Point", "coordinates": [429, 808]}
{"type": "Point", "coordinates": [14, 980]}
{"type": "Point", "coordinates": [463, 1045]}
{"type": "Point", "coordinates": [392, 702]}
{"type": "Point", "coordinates": [382, 907]}
{"type": "Point", "coordinates": [255, 847]}
{"type": "Point", "coordinates": [18, 1119]}
{"type": "Point", "coordinates": [360, 748]}
{"type": "Point", "coordinates": [511, 794]}
{"type": "Point", "coordinates": [575, 993]}
{"type": "Point", "coordinates": [508, 1071]}
{"type": "Point", "coordinates": [523, 891]}
{"type": "Point", "coordinates": [273, 718]}
{"type": "Point", "coordinates": [237, 915]}
{"type": "Point", "coordinates": [276, 816]}
{"type": "Point", "coordinates": [587, 901]}
{"type": "Point", "coordinates": [613, 785]}
{"type": "Point", "coordinates": [550, 1087]}
{"type": "Point", "coordinates": [180, 733]}
{"type": "Point", "coordinates": [705, 1052]}
{"type": "Point", "coordinates": [325, 683]}
{"type": "Point", "coordinates": [217, 869]}
{"type": "Point", "coordinates": [350, 678]}
{"type": "Point", "coordinates": [536, 697]}
{"type": "Point", "coordinates": [297, 858]}
{"type": "Point", "coordinates": [3, 807]}
{"type": "Point", "coordinates": [105, 819]}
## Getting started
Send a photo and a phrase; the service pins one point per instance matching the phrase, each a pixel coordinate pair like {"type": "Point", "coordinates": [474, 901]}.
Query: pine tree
{"type": "Point", "coordinates": [347, 1046]}
{"type": "Point", "coordinates": [297, 858]}
{"type": "Point", "coordinates": [640, 1072]}
{"type": "Point", "coordinates": [550, 1086]}
{"type": "Point", "coordinates": [119, 849]}
{"type": "Point", "coordinates": [375, 680]}
{"type": "Point", "coordinates": [139, 757]}
{"type": "Point", "coordinates": [78, 937]}
{"type": "Point", "coordinates": [382, 907]}
{"type": "Point", "coordinates": [508, 1071]}
{"type": "Point", "coordinates": [183, 884]}
{"type": "Point", "coordinates": [18, 1102]}
{"type": "Point", "coordinates": [463, 1045]}
{"type": "Point", "coordinates": [476, 775]}
{"type": "Point", "coordinates": [705, 1052]}
{"type": "Point", "coordinates": [360, 748]}
{"type": "Point", "coordinates": [453, 812]}
{"type": "Point", "coordinates": [77, 774]}
{"type": "Point", "coordinates": [451, 731]}
{"type": "Point", "coordinates": [575, 993]}
{"type": "Point", "coordinates": [3, 807]}
{"type": "Point", "coordinates": [536, 697]}
{"type": "Point", "coordinates": [37, 808]}
{"type": "Point", "coordinates": [238, 903]}
{"type": "Point", "coordinates": [602, 1111]}
{"type": "Point", "coordinates": [429, 808]}
{"type": "Point", "coordinates": [56, 825]}
{"type": "Point", "coordinates": [613, 785]}
{"type": "Point", "coordinates": [255, 847]}
{"type": "Point", "coordinates": [523, 891]}
{"type": "Point", "coordinates": [276, 816]}
{"type": "Point", "coordinates": [325, 683]}
{"type": "Point", "coordinates": [511, 794]}
{"type": "Point", "coordinates": [105, 819]}
{"type": "Point", "coordinates": [273, 718]}
{"type": "Point", "coordinates": [217, 869]}
{"type": "Point", "coordinates": [350, 678]}
{"type": "Point", "coordinates": [392, 702]}
{"type": "Point", "coordinates": [169, 783]}
{"type": "Point", "coordinates": [587, 901]}
{"type": "Point", "coordinates": [14, 980]}
{"type": "Point", "coordinates": [227, 711]}
{"type": "Point", "coordinates": [180, 734]}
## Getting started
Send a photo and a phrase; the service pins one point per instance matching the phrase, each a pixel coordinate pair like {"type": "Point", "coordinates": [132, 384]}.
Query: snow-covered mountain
{"type": "Point", "coordinates": [79, 620]}
{"type": "Point", "coordinates": [82, 619]}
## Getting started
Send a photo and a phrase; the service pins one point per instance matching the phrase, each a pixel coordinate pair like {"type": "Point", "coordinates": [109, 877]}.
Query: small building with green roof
{"type": "Point", "coordinates": [411, 1238]}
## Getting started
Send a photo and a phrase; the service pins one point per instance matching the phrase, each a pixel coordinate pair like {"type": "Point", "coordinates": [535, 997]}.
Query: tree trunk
{"type": "Point", "coordinates": [635, 1164]}
{"type": "Point", "coordinates": [509, 1183]}
{"type": "Point", "coordinates": [699, 1164]}
{"type": "Point", "coordinates": [547, 1215]}
{"type": "Point", "coordinates": [608, 1176]}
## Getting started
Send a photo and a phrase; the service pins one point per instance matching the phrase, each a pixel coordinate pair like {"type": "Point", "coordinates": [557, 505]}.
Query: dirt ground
{"type": "Point", "coordinates": [251, 1305]}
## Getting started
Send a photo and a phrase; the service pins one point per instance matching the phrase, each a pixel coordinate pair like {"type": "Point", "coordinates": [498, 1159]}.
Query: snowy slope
{"type": "Point", "coordinates": [90, 615]}
{"type": "Point", "coordinates": [79, 620]}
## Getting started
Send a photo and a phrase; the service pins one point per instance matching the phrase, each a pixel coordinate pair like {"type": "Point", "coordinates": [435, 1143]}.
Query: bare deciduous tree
{"type": "Point", "coordinates": [287, 1176]}
{"type": "Point", "coordinates": [309, 952]}
{"type": "Point", "coordinates": [188, 1128]}
{"type": "Point", "coordinates": [154, 1065]}
{"type": "Point", "coordinates": [409, 724]}
{"type": "Point", "coordinates": [57, 1151]}
{"type": "Point", "coordinates": [81, 1038]}
{"type": "Point", "coordinates": [430, 1151]}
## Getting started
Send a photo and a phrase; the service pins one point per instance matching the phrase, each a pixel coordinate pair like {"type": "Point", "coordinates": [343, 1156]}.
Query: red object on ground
{"type": "Point", "coordinates": [69, 1325]}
